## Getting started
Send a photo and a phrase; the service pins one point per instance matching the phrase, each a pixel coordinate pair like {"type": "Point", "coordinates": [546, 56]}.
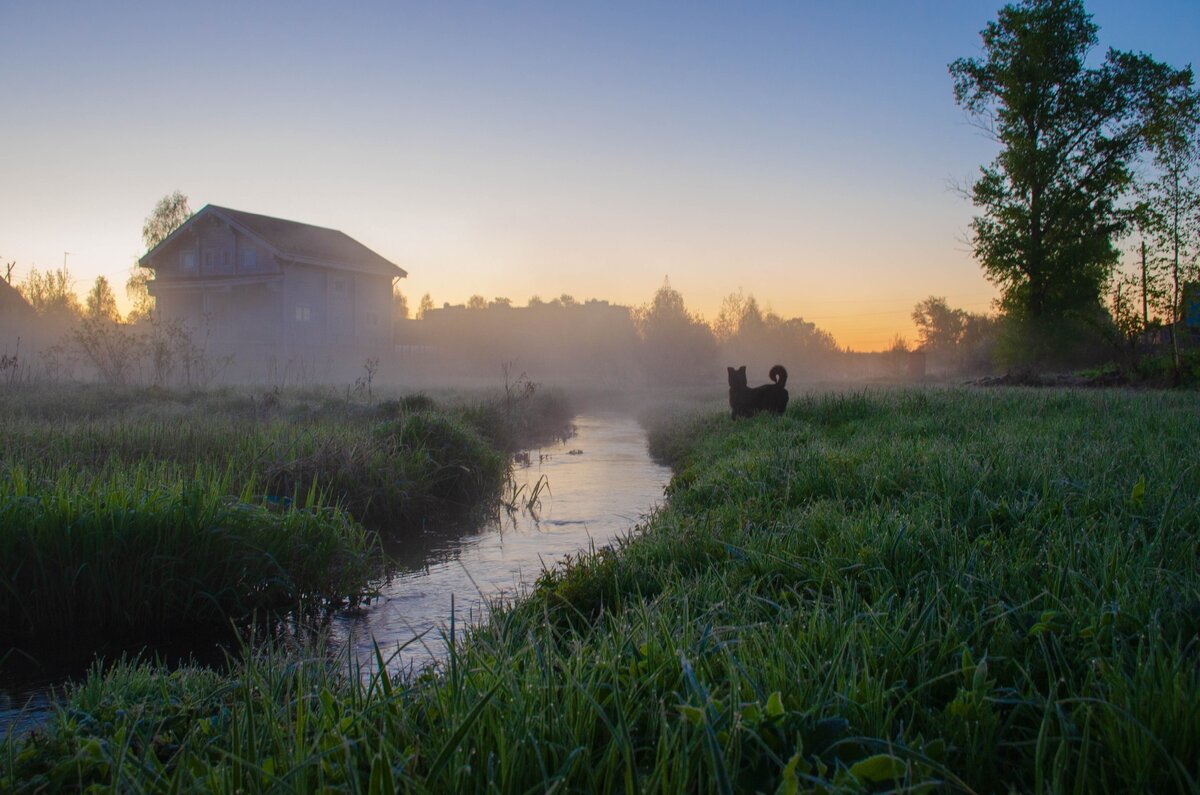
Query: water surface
{"type": "Point", "coordinates": [600, 484]}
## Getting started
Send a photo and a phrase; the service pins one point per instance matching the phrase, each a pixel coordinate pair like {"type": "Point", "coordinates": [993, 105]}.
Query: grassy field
{"type": "Point", "coordinates": [960, 590]}
{"type": "Point", "coordinates": [133, 512]}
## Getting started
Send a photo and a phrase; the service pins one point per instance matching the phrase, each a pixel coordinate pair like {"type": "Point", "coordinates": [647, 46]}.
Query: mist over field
{"type": "Point", "coordinates": [600, 397]}
{"type": "Point", "coordinates": [558, 341]}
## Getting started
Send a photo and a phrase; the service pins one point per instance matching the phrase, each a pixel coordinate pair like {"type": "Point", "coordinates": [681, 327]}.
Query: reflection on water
{"type": "Point", "coordinates": [601, 483]}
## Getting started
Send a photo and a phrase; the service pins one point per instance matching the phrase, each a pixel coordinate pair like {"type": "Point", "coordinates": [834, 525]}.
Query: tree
{"type": "Point", "coordinates": [1171, 202]}
{"type": "Point", "coordinates": [137, 290]}
{"type": "Point", "coordinates": [676, 345]}
{"type": "Point", "coordinates": [477, 302]}
{"type": "Point", "coordinates": [758, 339]}
{"type": "Point", "coordinates": [100, 303]}
{"type": "Point", "coordinates": [51, 293]}
{"type": "Point", "coordinates": [1049, 201]}
{"type": "Point", "coordinates": [168, 215]}
{"type": "Point", "coordinates": [424, 306]}
{"type": "Point", "coordinates": [399, 304]}
{"type": "Point", "coordinates": [939, 328]}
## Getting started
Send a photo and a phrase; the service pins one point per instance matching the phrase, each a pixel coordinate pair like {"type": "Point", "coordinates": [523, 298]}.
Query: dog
{"type": "Point", "coordinates": [745, 401]}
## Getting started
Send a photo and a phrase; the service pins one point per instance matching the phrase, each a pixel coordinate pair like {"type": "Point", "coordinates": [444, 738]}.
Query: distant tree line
{"type": "Point", "coordinates": [661, 341]}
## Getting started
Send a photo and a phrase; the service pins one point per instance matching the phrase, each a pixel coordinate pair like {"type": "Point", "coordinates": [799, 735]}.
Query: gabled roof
{"type": "Point", "coordinates": [13, 303]}
{"type": "Point", "coordinates": [294, 240]}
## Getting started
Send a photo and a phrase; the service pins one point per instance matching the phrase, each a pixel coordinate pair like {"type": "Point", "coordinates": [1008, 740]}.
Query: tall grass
{"type": "Point", "coordinates": [134, 555]}
{"type": "Point", "coordinates": [360, 457]}
{"type": "Point", "coordinates": [934, 590]}
{"type": "Point", "coordinates": [134, 511]}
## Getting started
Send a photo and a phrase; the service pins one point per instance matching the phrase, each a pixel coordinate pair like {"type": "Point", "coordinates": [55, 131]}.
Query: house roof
{"type": "Point", "coordinates": [295, 240]}
{"type": "Point", "coordinates": [12, 302]}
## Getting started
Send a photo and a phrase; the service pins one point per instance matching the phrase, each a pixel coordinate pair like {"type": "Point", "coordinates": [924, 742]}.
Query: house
{"type": "Point", "coordinates": [272, 299]}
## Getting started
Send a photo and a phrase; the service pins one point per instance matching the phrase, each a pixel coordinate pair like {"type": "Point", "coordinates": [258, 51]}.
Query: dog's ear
{"type": "Point", "coordinates": [731, 370]}
{"type": "Point", "coordinates": [742, 369]}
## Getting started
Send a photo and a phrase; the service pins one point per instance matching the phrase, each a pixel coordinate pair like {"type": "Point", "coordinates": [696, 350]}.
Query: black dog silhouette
{"type": "Point", "coordinates": [747, 401]}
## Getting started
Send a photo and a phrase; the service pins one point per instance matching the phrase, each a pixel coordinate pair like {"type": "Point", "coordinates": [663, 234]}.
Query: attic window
{"type": "Point", "coordinates": [249, 258]}
{"type": "Point", "coordinates": [187, 260]}
{"type": "Point", "coordinates": [303, 313]}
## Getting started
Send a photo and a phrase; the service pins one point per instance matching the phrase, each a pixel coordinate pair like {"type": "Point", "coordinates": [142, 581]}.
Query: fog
{"type": "Point", "coordinates": [588, 344]}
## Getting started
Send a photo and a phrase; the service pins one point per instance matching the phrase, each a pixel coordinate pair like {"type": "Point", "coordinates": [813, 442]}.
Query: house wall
{"type": "Point", "coordinates": [341, 311]}
{"type": "Point", "coordinates": [311, 324]}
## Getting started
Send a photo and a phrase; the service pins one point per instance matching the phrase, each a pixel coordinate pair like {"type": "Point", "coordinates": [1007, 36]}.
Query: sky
{"type": "Point", "coordinates": [804, 153]}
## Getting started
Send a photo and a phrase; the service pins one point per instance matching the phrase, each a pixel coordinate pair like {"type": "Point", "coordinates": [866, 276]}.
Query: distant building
{"type": "Point", "coordinates": [274, 298]}
{"type": "Point", "coordinates": [13, 306]}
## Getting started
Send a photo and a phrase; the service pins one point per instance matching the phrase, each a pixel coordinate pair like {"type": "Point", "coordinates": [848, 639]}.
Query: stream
{"type": "Point", "coordinates": [598, 485]}
{"type": "Point", "coordinates": [590, 490]}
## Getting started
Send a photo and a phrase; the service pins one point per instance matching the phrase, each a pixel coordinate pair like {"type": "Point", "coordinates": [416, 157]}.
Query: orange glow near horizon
{"type": "Point", "coordinates": [863, 307]}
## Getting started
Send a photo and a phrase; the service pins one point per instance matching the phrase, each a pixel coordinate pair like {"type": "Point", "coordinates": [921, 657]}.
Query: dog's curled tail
{"type": "Point", "coordinates": [778, 375]}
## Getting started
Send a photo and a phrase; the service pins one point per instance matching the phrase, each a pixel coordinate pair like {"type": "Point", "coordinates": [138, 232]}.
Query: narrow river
{"type": "Point", "coordinates": [596, 487]}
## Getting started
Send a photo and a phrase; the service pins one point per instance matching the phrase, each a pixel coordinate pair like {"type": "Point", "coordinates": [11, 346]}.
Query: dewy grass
{"type": "Point", "coordinates": [133, 555]}
{"type": "Point", "coordinates": [359, 457]}
{"type": "Point", "coordinates": [956, 590]}
{"type": "Point", "coordinates": [134, 512]}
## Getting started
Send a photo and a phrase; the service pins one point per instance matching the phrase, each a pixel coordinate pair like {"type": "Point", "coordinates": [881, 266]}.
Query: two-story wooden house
{"type": "Point", "coordinates": [272, 297]}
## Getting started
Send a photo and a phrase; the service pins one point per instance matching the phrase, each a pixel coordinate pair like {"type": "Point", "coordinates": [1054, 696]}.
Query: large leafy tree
{"type": "Point", "coordinates": [1051, 200]}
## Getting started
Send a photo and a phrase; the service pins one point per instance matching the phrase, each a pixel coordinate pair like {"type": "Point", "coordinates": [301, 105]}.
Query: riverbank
{"type": "Point", "coordinates": [139, 512]}
{"type": "Point", "coordinates": [975, 589]}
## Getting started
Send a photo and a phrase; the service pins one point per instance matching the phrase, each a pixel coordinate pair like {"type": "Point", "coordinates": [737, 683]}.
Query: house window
{"type": "Point", "coordinates": [249, 259]}
{"type": "Point", "coordinates": [228, 258]}
{"type": "Point", "coordinates": [187, 260]}
{"type": "Point", "coordinates": [303, 313]}
{"type": "Point", "coordinates": [209, 260]}
{"type": "Point", "coordinates": [372, 321]}
{"type": "Point", "coordinates": [339, 285]}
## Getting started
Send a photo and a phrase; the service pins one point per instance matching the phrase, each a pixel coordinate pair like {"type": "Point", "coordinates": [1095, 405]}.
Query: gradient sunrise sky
{"type": "Point", "coordinates": [801, 152]}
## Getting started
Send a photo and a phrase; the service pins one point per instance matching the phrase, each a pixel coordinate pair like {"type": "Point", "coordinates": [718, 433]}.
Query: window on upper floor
{"type": "Point", "coordinates": [249, 257]}
{"type": "Point", "coordinates": [187, 260]}
{"type": "Point", "coordinates": [303, 313]}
